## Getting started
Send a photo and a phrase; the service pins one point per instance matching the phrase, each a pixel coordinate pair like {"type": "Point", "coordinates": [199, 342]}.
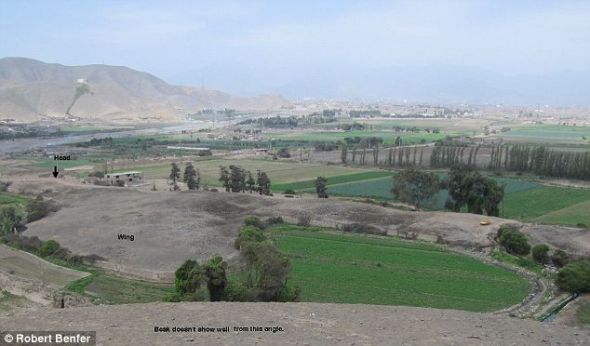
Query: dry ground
{"type": "Point", "coordinates": [302, 324]}
{"type": "Point", "coordinates": [170, 227]}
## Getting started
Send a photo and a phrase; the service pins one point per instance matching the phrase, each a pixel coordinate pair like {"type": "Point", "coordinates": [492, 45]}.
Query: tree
{"type": "Point", "coordinates": [479, 193]}
{"type": "Point", "coordinates": [560, 258]}
{"type": "Point", "coordinates": [415, 187]}
{"type": "Point", "coordinates": [48, 248]}
{"type": "Point", "coordinates": [224, 178]}
{"type": "Point", "coordinates": [174, 175]}
{"type": "Point", "coordinates": [574, 277]}
{"type": "Point", "coordinates": [263, 183]}
{"type": "Point", "coordinates": [513, 241]}
{"type": "Point", "coordinates": [190, 177]}
{"type": "Point", "coordinates": [320, 187]}
{"type": "Point", "coordinates": [237, 179]}
{"type": "Point", "coordinates": [188, 278]}
{"type": "Point", "coordinates": [540, 253]}
{"type": "Point", "coordinates": [250, 182]}
{"type": "Point", "coordinates": [214, 272]}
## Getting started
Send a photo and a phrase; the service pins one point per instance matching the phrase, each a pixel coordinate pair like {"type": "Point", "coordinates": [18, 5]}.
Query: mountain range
{"type": "Point", "coordinates": [32, 90]}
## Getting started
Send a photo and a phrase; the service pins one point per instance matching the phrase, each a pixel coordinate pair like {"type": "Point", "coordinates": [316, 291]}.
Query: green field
{"type": "Point", "coordinates": [549, 204]}
{"type": "Point", "coordinates": [549, 133]}
{"type": "Point", "coordinates": [338, 179]}
{"type": "Point", "coordinates": [341, 268]}
{"type": "Point", "coordinates": [49, 164]}
{"type": "Point", "coordinates": [524, 200]}
{"type": "Point", "coordinates": [388, 136]}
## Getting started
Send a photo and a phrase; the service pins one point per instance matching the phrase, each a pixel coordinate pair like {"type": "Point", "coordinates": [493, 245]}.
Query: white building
{"type": "Point", "coordinates": [124, 178]}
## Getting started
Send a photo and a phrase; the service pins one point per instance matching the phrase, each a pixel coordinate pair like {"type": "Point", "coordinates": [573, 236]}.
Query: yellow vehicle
{"type": "Point", "coordinates": [484, 222]}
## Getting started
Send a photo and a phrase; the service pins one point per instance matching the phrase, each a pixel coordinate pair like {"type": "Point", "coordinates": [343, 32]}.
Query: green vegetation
{"type": "Point", "coordinates": [104, 288]}
{"type": "Point", "coordinates": [415, 187]}
{"type": "Point", "coordinates": [541, 253]}
{"type": "Point", "coordinates": [548, 133]}
{"type": "Point", "coordinates": [574, 277]}
{"type": "Point", "coordinates": [350, 268]}
{"type": "Point", "coordinates": [534, 203]}
{"type": "Point", "coordinates": [11, 199]}
{"type": "Point", "coordinates": [332, 180]}
{"type": "Point", "coordinates": [513, 241]}
{"type": "Point", "coordinates": [48, 248]}
{"type": "Point", "coordinates": [583, 313]}
{"type": "Point", "coordinates": [524, 262]}
{"type": "Point", "coordinates": [388, 136]}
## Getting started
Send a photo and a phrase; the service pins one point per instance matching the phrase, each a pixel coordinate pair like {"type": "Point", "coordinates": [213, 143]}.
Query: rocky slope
{"type": "Point", "coordinates": [31, 90]}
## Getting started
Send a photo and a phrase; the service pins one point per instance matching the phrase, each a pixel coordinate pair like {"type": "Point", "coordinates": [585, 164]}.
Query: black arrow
{"type": "Point", "coordinates": [55, 172]}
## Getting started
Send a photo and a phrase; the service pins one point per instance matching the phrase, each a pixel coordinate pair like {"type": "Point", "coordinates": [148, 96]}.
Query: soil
{"type": "Point", "coordinates": [302, 324]}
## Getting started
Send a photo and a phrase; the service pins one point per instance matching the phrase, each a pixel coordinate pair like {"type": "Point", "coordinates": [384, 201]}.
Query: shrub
{"type": "Point", "coordinates": [38, 209]}
{"type": "Point", "coordinates": [289, 192]}
{"type": "Point", "coordinates": [582, 225]}
{"type": "Point", "coordinates": [97, 174]}
{"type": "Point", "coordinates": [575, 277]}
{"type": "Point", "coordinates": [249, 234]}
{"type": "Point", "coordinates": [253, 221]}
{"type": "Point", "coordinates": [540, 253]}
{"type": "Point", "coordinates": [188, 278]}
{"type": "Point", "coordinates": [560, 258]}
{"type": "Point", "coordinates": [4, 185]}
{"type": "Point", "coordinates": [304, 219]}
{"type": "Point", "coordinates": [236, 291]}
{"type": "Point", "coordinates": [513, 241]}
{"type": "Point", "coordinates": [362, 228]}
{"type": "Point", "coordinates": [48, 248]}
{"type": "Point", "coordinates": [274, 220]}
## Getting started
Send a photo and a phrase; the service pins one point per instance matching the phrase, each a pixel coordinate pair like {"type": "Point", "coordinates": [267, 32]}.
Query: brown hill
{"type": "Point", "coordinates": [31, 90]}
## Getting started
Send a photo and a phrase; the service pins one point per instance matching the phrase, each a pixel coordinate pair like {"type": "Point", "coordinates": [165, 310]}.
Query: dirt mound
{"type": "Point", "coordinates": [301, 324]}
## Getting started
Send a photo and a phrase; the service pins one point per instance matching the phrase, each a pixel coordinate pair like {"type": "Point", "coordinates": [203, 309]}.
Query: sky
{"type": "Point", "coordinates": [326, 48]}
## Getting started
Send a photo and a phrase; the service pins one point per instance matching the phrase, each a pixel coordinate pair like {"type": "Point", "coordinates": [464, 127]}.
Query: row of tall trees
{"type": "Point", "coordinates": [517, 158]}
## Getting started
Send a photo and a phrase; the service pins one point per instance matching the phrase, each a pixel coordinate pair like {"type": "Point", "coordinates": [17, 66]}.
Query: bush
{"type": "Point", "coordinates": [274, 220]}
{"type": "Point", "coordinates": [236, 291]}
{"type": "Point", "coordinates": [249, 234]}
{"type": "Point", "coordinates": [560, 258]}
{"type": "Point", "coordinates": [304, 219]}
{"type": "Point", "coordinates": [253, 221]}
{"type": "Point", "coordinates": [97, 174]}
{"type": "Point", "coordinates": [541, 253]}
{"type": "Point", "coordinates": [48, 248]}
{"type": "Point", "coordinates": [575, 277]}
{"type": "Point", "coordinates": [289, 192]}
{"type": "Point", "coordinates": [362, 228]}
{"type": "Point", "coordinates": [38, 209]}
{"type": "Point", "coordinates": [513, 241]}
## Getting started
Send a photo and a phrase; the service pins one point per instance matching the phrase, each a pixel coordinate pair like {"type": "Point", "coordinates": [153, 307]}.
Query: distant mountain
{"type": "Point", "coordinates": [31, 90]}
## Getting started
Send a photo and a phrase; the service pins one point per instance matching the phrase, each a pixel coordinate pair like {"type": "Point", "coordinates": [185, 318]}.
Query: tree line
{"type": "Point", "coordinates": [234, 179]}
{"type": "Point", "coordinates": [519, 158]}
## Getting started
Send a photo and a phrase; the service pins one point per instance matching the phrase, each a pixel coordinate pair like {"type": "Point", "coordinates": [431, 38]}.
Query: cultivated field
{"type": "Point", "coordinates": [379, 270]}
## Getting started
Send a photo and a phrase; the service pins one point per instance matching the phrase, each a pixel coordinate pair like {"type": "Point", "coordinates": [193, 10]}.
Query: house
{"type": "Point", "coordinates": [124, 178]}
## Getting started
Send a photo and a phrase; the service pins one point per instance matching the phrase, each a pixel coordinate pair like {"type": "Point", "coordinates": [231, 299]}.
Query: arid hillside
{"type": "Point", "coordinates": [31, 90]}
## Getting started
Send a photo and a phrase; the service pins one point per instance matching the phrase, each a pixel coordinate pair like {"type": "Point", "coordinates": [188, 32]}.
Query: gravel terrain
{"type": "Point", "coordinates": [302, 324]}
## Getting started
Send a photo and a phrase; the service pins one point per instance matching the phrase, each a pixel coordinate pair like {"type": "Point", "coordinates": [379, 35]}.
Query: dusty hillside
{"type": "Point", "coordinates": [301, 323]}
{"type": "Point", "coordinates": [171, 227]}
{"type": "Point", "coordinates": [31, 90]}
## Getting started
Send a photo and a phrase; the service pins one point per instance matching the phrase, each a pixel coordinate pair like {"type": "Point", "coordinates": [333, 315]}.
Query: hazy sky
{"type": "Point", "coordinates": [252, 46]}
